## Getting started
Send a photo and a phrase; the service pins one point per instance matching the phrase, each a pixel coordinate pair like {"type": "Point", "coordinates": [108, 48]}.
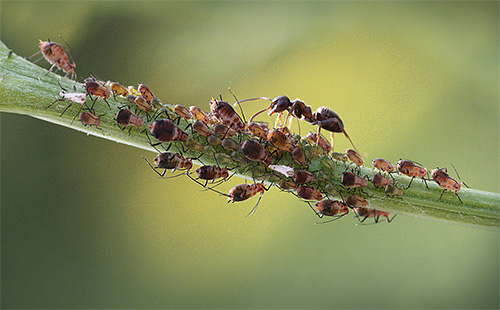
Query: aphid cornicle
{"type": "Point", "coordinates": [212, 173]}
{"type": "Point", "coordinates": [169, 160]}
{"type": "Point", "coordinates": [253, 150]}
{"type": "Point", "coordinates": [308, 193]}
{"type": "Point", "coordinates": [376, 214]}
{"type": "Point", "coordinates": [380, 181]}
{"type": "Point", "coordinates": [330, 207]}
{"type": "Point", "coordinates": [303, 177]}
{"type": "Point", "coordinates": [57, 57]}
{"type": "Point", "coordinates": [351, 180]}
{"type": "Point", "coordinates": [126, 118]}
{"type": "Point", "coordinates": [354, 157]}
{"type": "Point", "coordinates": [89, 119]}
{"type": "Point", "coordinates": [383, 165]}
{"type": "Point", "coordinates": [145, 92]}
{"type": "Point", "coordinates": [164, 130]}
{"type": "Point", "coordinates": [412, 170]}
{"type": "Point", "coordinates": [443, 179]}
{"type": "Point", "coordinates": [202, 129]}
{"type": "Point", "coordinates": [225, 114]}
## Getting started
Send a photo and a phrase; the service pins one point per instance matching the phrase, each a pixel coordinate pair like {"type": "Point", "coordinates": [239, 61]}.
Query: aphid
{"type": "Point", "coordinates": [212, 173]}
{"type": "Point", "coordinates": [143, 104]}
{"type": "Point", "coordinates": [376, 214]}
{"type": "Point", "coordinates": [199, 114]}
{"type": "Point", "coordinates": [202, 129]}
{"type": "Point", "coordinates": [287, 185]}
{"type": "Point", "coordinates": [126, 118]}
{"type": "Point", "coordinates": [393, 191]}
{"type": "Point", "coordinates": [299, 156]}
{"type": "Point", "coordinates": [131, 98]}
{"type": "Point", "coordinates": [78, 98]}
{"type": "Point", "coordinates": [383, 165]}
{"type": "Point", "coordinates": [118, 89]}
{"type": "Point", "coordinates": [351, 180]}
{"type": "Point", "coordinates": [284, 170]}
{"type": "Point", "coordinates": [380, 181]}
{"type": "Point", "coordinates": [223, 131]}
{"type": "Point", "coordinates": [225, 113]}
{"type": "Point", "coordinates": [354, 157]}
{"type": "Point", "coordinates": [244, 191]}
{"type": "Point", "coordinates": [145, 92]}
{"type": "Point", "coordinates": [133, 91]}
{"type": "Point", "coordinates": [229, 144]}
{"type": "Point", "coordinates": [258, 130]}
{"type": "Point", "coordinates": [303, 177]}
{"type": "Point", "coordinates": [443, 179]}
{"type": "Point", "coordinates": [327, 119]}
{"type": "Point", "coordinates": [412, 170]}
{"type": "Point", "coordinates": [57, 57]}
{"type": "Point", "coordinates": [96, 88]}
{"type": "Point", "coordinates": [279, 140]}
{"type": "Point", "coordinates": [339, 156]}
{"type": "Point", "coordinates": [330, 207]}
{"type": "Point", "coordinates": [253, 150]}
{"type": "Point", "coordinates": [169, 160]}
{"type": "Point", "coordinates": [89, 119]}
{"type": "Point", "coordinates": [214, 140]}
{"type": "Point", "coordinates": [309, 193]}
{"type": "Point", "coordinates": [313, 137]}
{"type": "Point", "coordinates": [355, 201]}
{"type": "Point", "coordinates": [164, 130]}
{"type": "Point", "coordinates": [182, 111]}
{"type": "Point", "coordinates": [195, 146]}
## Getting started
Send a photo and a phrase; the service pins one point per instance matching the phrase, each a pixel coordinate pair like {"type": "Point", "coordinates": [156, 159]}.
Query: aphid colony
{"type": "Point", "coordinates": [303, 166]}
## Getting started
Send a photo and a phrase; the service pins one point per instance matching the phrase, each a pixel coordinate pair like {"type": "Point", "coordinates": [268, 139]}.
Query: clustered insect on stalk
{"type": "Point", "coordinates": [286, 160]}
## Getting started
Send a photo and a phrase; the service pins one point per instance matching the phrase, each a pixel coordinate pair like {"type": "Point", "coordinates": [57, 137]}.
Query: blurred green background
{"type": "Point", "coordinates": [85, 225]}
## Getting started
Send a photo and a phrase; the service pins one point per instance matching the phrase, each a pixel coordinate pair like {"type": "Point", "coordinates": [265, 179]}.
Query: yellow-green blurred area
{"type": "Point", "coordinates": [85, 223]}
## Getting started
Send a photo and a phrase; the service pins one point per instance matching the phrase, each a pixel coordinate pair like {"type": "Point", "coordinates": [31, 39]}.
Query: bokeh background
{"type": "Point", "coordinates": [84, 223]}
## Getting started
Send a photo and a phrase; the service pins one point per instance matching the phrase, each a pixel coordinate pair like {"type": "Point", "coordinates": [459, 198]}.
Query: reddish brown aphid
{"type": "Point", "coordinates": [199, 114]}
{"type": "Point", "coordinates": [143, 104]}
{"type": "Point", "coordinates": [309, 193]}
{"type": "Point", "coordinates": [169, 160]}
{"type": "Point", "coordinates": [164, 130]}
{"type": "Point", "coordinates": [383, 165]}
{"type": "Point", "coordinates": [96, 88]}
{"type": "Point", "coordinates": [303, 177]}
{"type": "Point", "coordinates": [380, 181]}
{"type": "Point", "coordinates": [327, 119]}
{"type": "Point", "coordinates": [330, 207]}
{"type": "Point", "coordinates": [443, 179]}
{"type": "Point", "coordinates": [244, 191]}
{"type": "Point", "coordinates": [351, 180]}
{"type": "Point", "coordinates": [225, 113]}
{"type": "Point", "coordinates": [57, 57]}
{"type": "Point", "coordinates": [145, 92]}
{"type": "Point", "coordinates": [253, 150]}
{"type": "Point", "coordinates": [355, 201]}
{"type": "Point", "coordinates": [182, 111]}
{"type": "Point", "coordinates": [313, 137]}
{"type": "Point", "coordinates": [202, 129]}
{"type": "Point", "coordinates": [89, 119]}
{"type": "Point", "coordinates": [354, 157]}
{"type": "Point", "coordinates": [211, 173]}
{"type": "Point", "coordinates": [367, 213]}
{"type": "Point", "coordinates": [126, 118]}
{"type": "Point", "coordinates": [412, 170]}
{"type": "Point", "coordinates": [279, 140]}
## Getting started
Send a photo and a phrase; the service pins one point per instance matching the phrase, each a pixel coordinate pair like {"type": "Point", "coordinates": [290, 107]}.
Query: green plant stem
{"type": "Point", "coordinates": [28, 89]}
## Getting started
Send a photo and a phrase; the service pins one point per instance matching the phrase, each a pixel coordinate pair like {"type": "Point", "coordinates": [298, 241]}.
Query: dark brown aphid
{"type": "Point", "coordinates": [356, 201]}
{"type": "Point", "coordinates": [244, 191]}
{"type": "Point", "coordinates": [383, 165]}
{"type": "Point", "coordinates": [253, 150]}
{"type": "Point", "coordinates": [229, 144]}
{"type": "Point", "coordinates": [164, 130]}
{"type": "Point", "coordinates": [225, 114]}
{"type": "Point", "coordinates": [199, 114]}
{"type": "Point", "coordinates": [279, 140]}
{"type": "Point", "coordinates": [443, 179]}
{"type": "Point", "coordinates": [354, 157]}
{"type": "Point", "coordinates": [380, 181]}
{"type": "Point", "coordinates": [299, 156]}
{"type": "Point", "coordinates": [351, 180]}
{"type": "Point", "coordinates": [327, 119]}
{"type": "Point", "coordinates": [412, 170]}
{"type": "Point", "coordinates": [367, 213]}
{"type": "Point", "coordinates": [212, 173]}
{"type": "Point", "coordinates": [57, 57]}
{"type": "Point", "coordinates": [223, 131]}
{"type": "Point", "coordinates": [202, 129]}
{"type": "Point", "coordinates": [214, 140]}
{"type": "Point", "coordinates": [145, 92]}
{"type": "Point", "coordinates": [303, 177]}
{"type": "Point", "coordinates": [330, 207]}
{"type": "Point", "coordinates": [182, 111]}
{"type": "Point", "coordinates": [309, 193]}
{"type": "Point", "coordinates": [89, 119]}
{"type": "Point", "coordinates": [169, 160]}
{"type": "Point", "coordinates": [126, 118]}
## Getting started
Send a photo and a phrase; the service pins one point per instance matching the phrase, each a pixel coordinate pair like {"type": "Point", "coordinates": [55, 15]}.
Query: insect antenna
{"type": "Point", "coordinates": [458, 175]}
{"type": "Point", "coordinates": [241, 109]}
{"type": "Point", "coordinates": [254, 208]}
